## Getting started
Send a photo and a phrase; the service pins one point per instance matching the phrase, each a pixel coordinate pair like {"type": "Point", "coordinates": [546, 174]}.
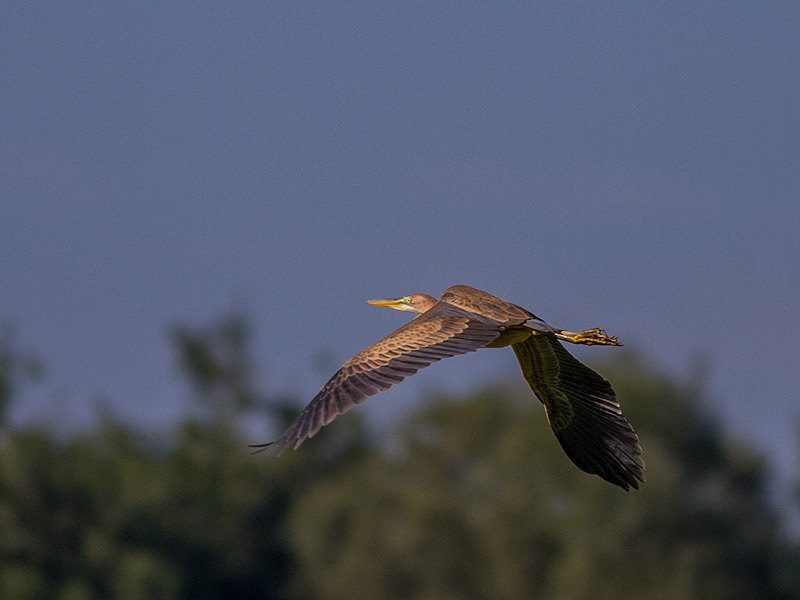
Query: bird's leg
{"type": "Point", "coordinates": [588, 337]}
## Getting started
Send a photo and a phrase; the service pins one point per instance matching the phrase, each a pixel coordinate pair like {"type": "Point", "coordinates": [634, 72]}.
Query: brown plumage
{"type": "Point", "coordinates": [581, 406]}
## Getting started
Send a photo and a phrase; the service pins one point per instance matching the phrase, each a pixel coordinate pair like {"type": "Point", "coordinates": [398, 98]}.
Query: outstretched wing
{"type": "Point", "coordinates": [582, 410]}
{"type": "Point", "coordinates": [444, 330]}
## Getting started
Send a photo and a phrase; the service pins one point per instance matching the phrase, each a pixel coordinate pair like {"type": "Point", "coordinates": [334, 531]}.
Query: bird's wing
{"type": "Point", "coordinates": [444, 330]}
{"type": "Point", "coordinates": [582, 410]}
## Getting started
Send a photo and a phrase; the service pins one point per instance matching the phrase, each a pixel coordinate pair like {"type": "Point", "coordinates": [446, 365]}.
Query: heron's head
{"type": "Point", "coordinates": [416, 303]}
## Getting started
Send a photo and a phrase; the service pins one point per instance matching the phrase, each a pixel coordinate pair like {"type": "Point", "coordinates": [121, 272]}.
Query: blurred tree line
{"type": "Point", "coordinates": [470, 498]}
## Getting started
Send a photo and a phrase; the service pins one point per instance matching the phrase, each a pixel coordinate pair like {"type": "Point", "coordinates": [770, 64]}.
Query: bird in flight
{"type": "Point", "coordinates": [580, 405]}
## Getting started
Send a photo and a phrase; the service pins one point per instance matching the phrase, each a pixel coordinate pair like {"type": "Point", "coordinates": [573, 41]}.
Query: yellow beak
{"type": "Point", "coordinates": [391, 302]}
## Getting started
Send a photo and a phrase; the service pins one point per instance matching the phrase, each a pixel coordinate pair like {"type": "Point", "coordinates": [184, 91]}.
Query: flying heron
{"type": "Point", "coordinates": [580, 405]}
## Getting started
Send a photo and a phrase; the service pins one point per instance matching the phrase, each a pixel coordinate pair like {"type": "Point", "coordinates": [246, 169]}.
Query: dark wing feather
{"type": "Point", "coordinates": [444, 330]}
{"type": "Point", "coordinates": [582, 410]}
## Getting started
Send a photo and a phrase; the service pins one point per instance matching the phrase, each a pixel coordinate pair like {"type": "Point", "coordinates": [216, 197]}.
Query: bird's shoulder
{"type": "Point", "coordinates": [485, 305]}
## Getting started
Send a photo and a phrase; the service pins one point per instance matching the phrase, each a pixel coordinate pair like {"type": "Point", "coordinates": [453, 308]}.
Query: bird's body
{"type": "Point", "coordinates": [580, 405]}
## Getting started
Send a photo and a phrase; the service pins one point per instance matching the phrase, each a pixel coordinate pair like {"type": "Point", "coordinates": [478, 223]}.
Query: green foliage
{"type": "Point", "coordinates": [16, 367]}
{"type": "Point", "coordinates": [216, 360]}
{"type": "Point", "coordinates": [472, 498]}
{"type": "Point", "coordinates": [103, 517]}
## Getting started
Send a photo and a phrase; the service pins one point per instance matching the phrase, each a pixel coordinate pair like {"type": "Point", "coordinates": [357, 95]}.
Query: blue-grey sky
{"type": "Point", "coordinates": [634, 166]}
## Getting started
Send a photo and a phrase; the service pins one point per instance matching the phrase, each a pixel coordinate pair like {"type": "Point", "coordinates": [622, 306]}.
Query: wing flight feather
{"type": "Point", "coordinates": [582, 410]}
{"type": "Point", "coordinates": [443, 331]}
